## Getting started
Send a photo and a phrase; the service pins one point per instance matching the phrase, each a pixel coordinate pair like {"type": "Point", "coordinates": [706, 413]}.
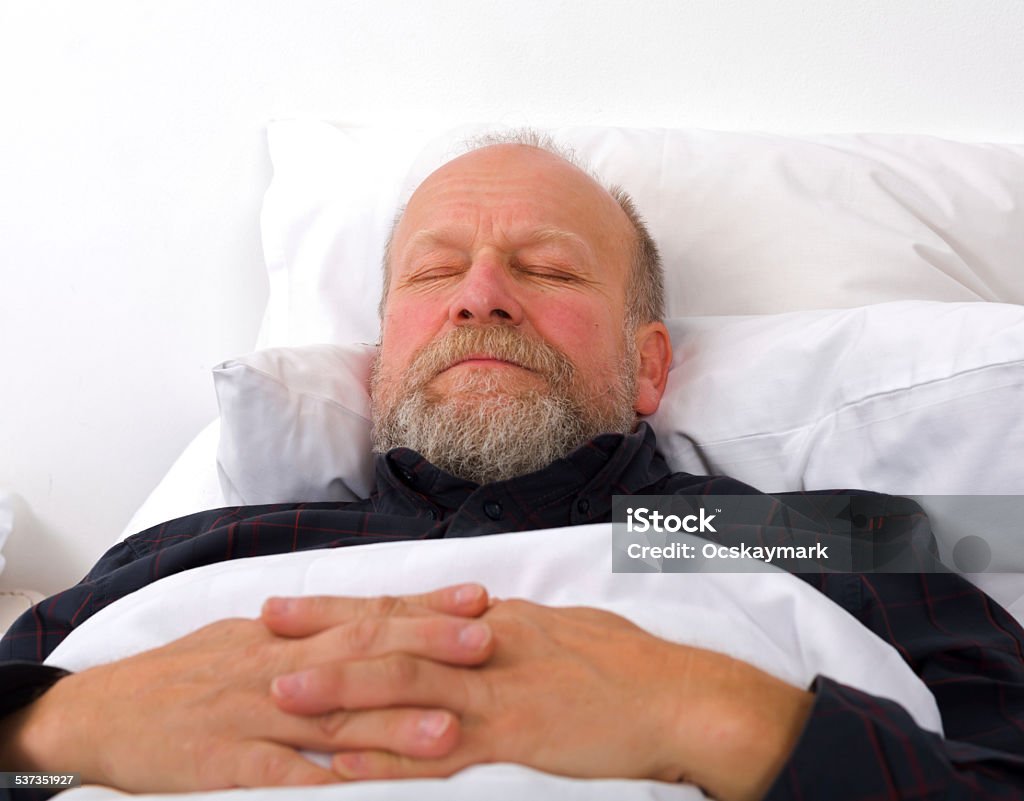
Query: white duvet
{"type": "Point", "coordinates": [769, 619]}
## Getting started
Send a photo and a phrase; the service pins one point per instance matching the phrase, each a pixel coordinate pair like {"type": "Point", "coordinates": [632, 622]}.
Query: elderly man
{"type": "Point", "coordinates": [521, 338]}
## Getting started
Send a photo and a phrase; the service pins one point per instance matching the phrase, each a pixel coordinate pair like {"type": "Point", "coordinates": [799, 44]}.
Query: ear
{"type": "Point", "coordinates": [654, 347]}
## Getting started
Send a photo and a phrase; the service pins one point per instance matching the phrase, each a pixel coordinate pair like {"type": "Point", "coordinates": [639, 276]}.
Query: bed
{"type": "Point", "coordinates": [845, 312]}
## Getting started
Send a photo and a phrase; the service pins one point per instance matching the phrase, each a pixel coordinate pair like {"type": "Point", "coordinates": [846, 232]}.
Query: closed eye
{"type": "Point", "coordinates": [547, 273]}
{"type": "Point", "coordinates": [435, 273]}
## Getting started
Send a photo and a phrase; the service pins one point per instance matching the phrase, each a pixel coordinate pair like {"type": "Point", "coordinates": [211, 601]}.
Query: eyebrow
{"type": "Point", "coordinates": [548, 233]}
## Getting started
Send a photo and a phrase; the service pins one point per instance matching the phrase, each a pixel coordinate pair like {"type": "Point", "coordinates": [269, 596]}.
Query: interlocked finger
{"type": "Point", "coordinates": [395, 680]}
{"type": "Point", "coordinates": [301, 617]}
{"type": "Point", "coordinates": [453, 640]}
{"type": "Point", "coordinates": [408, 731]}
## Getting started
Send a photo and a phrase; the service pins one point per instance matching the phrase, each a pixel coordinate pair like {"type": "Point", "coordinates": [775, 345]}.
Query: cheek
{"type": "Point", "coordinates": [406, 329]}
{"type": "Point", "coordinates": [587, 336]}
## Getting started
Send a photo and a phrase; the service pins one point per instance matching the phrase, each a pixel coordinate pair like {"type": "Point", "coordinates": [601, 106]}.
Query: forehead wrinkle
{"type": "Point", "coordinates": [491, 201]}
{"type": "Point", "coordinates": [454, 236]}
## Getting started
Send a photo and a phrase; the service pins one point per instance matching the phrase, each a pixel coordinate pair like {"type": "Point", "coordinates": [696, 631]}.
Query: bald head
{"type": "Point", "coordinates": [526, 158]}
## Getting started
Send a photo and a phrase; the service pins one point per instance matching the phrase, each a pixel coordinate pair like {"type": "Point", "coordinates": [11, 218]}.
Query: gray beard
{"type": "Point", "coordinates": [483, 431]}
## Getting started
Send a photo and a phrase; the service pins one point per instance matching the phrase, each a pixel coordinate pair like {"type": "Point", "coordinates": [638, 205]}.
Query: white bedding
{"type": "Point", "coordinates": [770, 619]}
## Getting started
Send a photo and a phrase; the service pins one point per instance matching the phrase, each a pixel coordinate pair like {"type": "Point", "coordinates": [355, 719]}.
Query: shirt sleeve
{"type": "Point", "coordinates": [23, 682]}
{"type": "Point", "coordinates": [137, 561]}
{"type": "Point", "coordinates": [857, 746]}
{"type": "Point", "coordinates": [969, 652]}
{"type": "Point", "coordinates": [43, 627]}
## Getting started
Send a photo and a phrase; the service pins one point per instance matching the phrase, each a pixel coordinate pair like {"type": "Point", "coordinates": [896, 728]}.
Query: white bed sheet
{"type": "Point", "coordinates": [770, 619]}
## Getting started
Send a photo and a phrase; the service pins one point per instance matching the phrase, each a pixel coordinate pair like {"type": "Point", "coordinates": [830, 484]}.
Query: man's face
{"type": "Point", "coordinates": [505, 315]}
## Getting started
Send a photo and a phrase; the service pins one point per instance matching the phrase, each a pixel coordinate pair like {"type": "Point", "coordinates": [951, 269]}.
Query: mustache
{"type": "Point", "coordinates": [497, 342]}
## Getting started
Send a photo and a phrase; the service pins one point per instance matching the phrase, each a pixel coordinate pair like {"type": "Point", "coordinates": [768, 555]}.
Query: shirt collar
{"type": "Point", "coordinates": [610, 464]}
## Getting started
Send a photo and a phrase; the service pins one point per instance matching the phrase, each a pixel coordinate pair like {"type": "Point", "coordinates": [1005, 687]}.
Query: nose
{"type": "Point", "coordinates": [486, 295]}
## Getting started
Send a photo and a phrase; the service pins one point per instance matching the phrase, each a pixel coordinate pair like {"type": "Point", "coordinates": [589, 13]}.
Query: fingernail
{"type": "Point", "coordinates": [277, 606]}
{"type": "Point", "coordinates": [468, 593]}
{"type": "Point", "coordinates": [474, 636]}
{"type": "Point", "coordinates": [288, 686]}
{"type": "Point", "coordinates": [433, 724]}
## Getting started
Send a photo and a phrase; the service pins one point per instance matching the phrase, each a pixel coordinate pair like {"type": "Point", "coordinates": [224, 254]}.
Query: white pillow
{"type": "Point", "coordinates": [6, 521]}
{"type": "Point", "coordinates": [746, 223]}
{"type": "Point", "coordinates": [910, 397]}
{"type": "Point", "coordinates": [295, 425]}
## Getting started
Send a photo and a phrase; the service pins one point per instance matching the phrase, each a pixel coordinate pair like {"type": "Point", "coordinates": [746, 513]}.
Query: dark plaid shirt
{"type": "Point", "coordinates": [966, 648]}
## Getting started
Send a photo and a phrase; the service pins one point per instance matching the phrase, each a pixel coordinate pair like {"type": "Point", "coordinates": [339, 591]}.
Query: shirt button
{"type": "Point", "coordinates": [493, 510]}
{"type": "Point", "coordinates": [583, 506]}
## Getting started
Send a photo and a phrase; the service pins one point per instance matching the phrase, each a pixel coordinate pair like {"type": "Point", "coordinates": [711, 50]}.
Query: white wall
{"type": "Point", "coordinates": [132, 161]}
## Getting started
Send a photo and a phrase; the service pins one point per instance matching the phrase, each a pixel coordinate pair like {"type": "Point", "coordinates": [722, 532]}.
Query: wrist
{"type": "Point", "coordinates": [738, 729]}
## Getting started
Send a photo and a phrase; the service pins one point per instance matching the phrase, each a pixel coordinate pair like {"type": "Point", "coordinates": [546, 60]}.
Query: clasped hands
{"type": "Point", "coordinates": [413, 687]}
